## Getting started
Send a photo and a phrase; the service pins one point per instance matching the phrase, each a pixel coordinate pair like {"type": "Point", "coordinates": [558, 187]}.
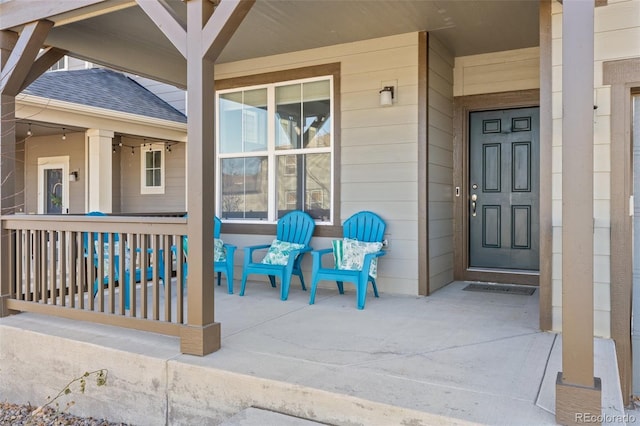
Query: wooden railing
{"type": "Point", "coordinates": [77, 267]}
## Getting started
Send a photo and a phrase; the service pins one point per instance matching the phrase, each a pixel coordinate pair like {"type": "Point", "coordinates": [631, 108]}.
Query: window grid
{"type": "Point", "coordinates": [272, 153]}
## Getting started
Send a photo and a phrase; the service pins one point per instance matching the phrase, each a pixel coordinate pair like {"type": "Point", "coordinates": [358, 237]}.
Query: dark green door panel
{"type": "Point", "coordinates": [504, 174]}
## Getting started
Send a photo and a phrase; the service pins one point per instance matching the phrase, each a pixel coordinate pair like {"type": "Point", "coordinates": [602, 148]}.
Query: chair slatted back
{"type": "Point", "coordinates": [295, 227]}
{"type": "Point", "coordinates": [364, 226]}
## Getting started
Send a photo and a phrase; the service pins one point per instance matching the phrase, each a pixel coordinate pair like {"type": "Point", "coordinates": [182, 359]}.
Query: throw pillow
{"type": "Point", "coordinates": [219, 250]}
{"type": "Point", "coordinates": [353, 255]}
{"type": "Point", "coordinates": [278, 253]}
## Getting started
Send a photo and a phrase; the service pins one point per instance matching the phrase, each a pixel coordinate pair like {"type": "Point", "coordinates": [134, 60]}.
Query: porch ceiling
{"type": "Point", "coordinates": [119, 34]}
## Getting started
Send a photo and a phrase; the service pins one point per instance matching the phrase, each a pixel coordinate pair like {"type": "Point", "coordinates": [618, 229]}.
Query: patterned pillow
{"type": "Point", "coordinates": [349, 254]}
{"type": "Point", "coordinates": [219, 250]}
{"type": "Point", "coordinates": [279, 251]}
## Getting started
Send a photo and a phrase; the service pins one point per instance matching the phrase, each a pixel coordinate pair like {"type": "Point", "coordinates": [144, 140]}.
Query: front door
{"type": "Point", "coordinates": [503, 193]}
{"type": "Point", "coordinates": [53, 185]}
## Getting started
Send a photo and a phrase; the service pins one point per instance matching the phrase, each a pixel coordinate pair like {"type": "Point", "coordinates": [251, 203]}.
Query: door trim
{"type": "Point", "coordinates": [47, 163]}
{"type": "Point", "coordinates": [463, 105]}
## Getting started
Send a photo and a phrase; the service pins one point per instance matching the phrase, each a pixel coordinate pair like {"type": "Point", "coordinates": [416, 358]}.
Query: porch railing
{"type": "Point", "coordinates": [76, 267]}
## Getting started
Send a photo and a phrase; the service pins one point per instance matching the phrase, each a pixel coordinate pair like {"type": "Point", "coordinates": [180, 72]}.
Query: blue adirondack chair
{"type": "Point", "coordinates": [365, 227]}
{"type": "Point", "coordinates": [295, 227]}
{"type": "Point", "coordinates": [93, 240]}
{"type": "Point", "coordinates": [219, 267]}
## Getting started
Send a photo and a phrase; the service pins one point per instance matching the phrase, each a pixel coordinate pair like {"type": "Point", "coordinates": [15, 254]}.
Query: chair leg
{"type": "Point", "coordinates": [302, 281]}
{"type": "Point", "coordinates": [272, 279]}
{"type": "Point", "coordinates": [230, 279]}
{"type": "Point", "coordinates": [244, 283]}
{"type": "Point", "coordinates": [361, 294]}
{"type": "Point", "coordinates": [285, 283]}
{"type": "Point", "coordinates": [340, 287]}
{"type": "Point", "coordinates": [219, 274]}
{"type": "Point", "coordinates": [314, 287]}
{"type": "Point", "coordinates": [375, 289]}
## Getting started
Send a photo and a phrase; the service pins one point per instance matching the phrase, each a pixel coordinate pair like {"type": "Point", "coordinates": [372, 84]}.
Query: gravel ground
{"type": "Point", "coordinates": [14, 414]}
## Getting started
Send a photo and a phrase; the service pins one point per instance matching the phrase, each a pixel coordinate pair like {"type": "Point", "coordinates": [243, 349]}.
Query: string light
{"type": "Point", "coordinates": [64, 135]}
{"type": "Point", "coordinates": [29, 132]}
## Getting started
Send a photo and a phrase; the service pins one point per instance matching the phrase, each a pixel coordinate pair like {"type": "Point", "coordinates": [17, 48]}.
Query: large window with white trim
{"type": "Point", "coordinates": [275, 150]}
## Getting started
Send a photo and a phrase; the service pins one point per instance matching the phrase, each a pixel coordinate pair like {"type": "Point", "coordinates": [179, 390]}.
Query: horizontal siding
{"type": "Point", "coordinates": [51, 146]}
{"type": "Point", "coordinates": [497, 72]}
{"type": "Point", "coordinates": [440, 164]}
{"type": "Point", "coordinates": [173, 199]}
{"type": "Point", "coordinates": [378, 146]}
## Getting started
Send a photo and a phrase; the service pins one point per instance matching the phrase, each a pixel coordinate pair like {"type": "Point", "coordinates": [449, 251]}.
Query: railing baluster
{"type": "Point", "coordinates": [74, 271]}
{"type": "Point", "coordinates": [98, 284]}
{"type": "Point", "coordinates": [131, 270]}
{"type": "Point", "coordinates": [166, 262]}
{"type": "Point", "coordinates": [155, 250]}
{"type": "Point", "coordinates": [28, 253]}
{"type": "Point", "coordinates": [122, 271]}
{"type": "Point", "coordinates": [180, 283]}
{"type": "Point", "coordinates": [143, 267]}
{"type": "Point", "coordinates": [111, 272]}
{"type": "Point", "coordinates": [63, 267]}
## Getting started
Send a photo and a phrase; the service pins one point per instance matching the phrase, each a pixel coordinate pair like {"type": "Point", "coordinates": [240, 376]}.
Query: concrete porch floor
{"type": "Point", "coordinates": [456, 357]}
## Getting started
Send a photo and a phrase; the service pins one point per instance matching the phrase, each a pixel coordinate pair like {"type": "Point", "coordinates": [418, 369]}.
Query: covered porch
{"type": "Point", "coordinates": [456, 357]}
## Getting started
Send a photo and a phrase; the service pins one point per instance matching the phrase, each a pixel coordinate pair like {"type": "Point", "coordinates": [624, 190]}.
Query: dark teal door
{"type": "Point", "coordinates": [504, 173]}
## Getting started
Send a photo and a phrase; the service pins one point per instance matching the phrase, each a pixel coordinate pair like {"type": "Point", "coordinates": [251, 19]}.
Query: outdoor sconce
{"type": "Point", "coordinates": [386, 96]}
{"type": "Point", "coordinates": [73, 176]}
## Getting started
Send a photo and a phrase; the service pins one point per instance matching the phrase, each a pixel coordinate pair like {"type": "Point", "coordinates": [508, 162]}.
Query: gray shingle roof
{"type": "Point", "coordinates": [103, 88]}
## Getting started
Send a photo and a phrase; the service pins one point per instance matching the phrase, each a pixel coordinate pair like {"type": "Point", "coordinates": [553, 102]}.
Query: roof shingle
{"type": "Point", "coordinates": [103, 88]}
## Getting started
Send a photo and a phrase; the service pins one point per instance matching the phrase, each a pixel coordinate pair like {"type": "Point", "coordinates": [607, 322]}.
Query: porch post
{"type": "Point", "coordinates": [7, 165]}
{"type": "Point", "coordinates": [100, 170]}
{"type": "Point", "coordinates": [201, 335]}
{"type": "Point", "coordinates": [578, 392]}
{"type": "Point", "coordinates": [17, 56]}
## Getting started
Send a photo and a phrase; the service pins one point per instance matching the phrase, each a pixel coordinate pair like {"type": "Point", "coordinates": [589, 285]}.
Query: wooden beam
{"type": "Point", "coordinates": [29, 43]}
{"type": "Point", "coordinates": [45, 60]}
{"type": "Point", "coordinates": [222, 25]}
{"type": "Point", "coordinates": [168, 22]}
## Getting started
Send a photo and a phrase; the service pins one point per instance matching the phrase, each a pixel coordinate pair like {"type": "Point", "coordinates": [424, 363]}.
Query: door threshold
{"type": "Point", "coordinates": [506, 271]}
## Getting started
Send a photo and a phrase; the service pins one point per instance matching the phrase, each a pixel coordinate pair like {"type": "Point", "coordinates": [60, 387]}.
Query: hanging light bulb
{"type": "Point", "coordinates": [64, 135]}
{"type": "Point", "coordinates": [132, 151]}
{"type": "Point", "coordinates": [114, 149]}
{"type": "Point", "coordinates": [29, 132]}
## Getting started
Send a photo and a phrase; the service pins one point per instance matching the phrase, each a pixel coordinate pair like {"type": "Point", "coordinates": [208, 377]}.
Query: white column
{"type": "Point", "coordinates": [99, 170]}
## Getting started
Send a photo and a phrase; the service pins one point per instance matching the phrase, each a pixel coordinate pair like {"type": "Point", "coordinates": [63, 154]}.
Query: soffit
{"type": "Point", "coordinates": [125, 38]}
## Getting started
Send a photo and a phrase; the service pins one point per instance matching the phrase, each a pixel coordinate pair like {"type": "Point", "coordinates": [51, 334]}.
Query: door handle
{"type": "Point", "coordinates": [474, 197]}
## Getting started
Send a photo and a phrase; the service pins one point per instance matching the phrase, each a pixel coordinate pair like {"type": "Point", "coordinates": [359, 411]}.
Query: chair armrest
{"type": "Point", "coordinates": [248, 251]}
{"type": "Point", "coordinates": [293, 254]}
{"type": "Point", "coordinates": [317, 257]}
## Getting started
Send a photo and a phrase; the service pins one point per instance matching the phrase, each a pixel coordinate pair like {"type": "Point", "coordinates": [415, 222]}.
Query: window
{"type": "Point", "coordinates": [61, 65]}
{"type": "Point", "coordinates": [152, 169]}
{"type": "Point", "coordinates": [275, 150]}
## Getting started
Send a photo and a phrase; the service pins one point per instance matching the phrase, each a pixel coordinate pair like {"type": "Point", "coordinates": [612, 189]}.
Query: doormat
{"type": "Point", "coordinates": [505, 289]}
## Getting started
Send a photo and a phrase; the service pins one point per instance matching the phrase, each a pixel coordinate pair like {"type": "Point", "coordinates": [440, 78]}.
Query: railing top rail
{"type": "Point", "coordinates": [81, 223]}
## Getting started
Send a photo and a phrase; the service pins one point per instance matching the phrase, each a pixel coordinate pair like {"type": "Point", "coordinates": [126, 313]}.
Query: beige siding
{"type": "Point", "coordinates": [378, 144]}
{"type": "Point", "coordinates": [173, 199]}
{"type": "Point", "coordinates": [497, 72]}
{"type": "Point", "coordinates": [440, 172]}
{"type": "Point", "coordinates": [617, 36]}
{"type": "Point", "coordinates": [52, 146]}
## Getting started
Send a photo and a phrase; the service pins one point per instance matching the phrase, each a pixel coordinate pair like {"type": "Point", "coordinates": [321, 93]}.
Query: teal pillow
{"type": "Point", "coordinates": [349, 254]}
{"type": "Point", "coordinates": [219, 250]}
{"type": "Point", "coordinates": [278, 253]}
